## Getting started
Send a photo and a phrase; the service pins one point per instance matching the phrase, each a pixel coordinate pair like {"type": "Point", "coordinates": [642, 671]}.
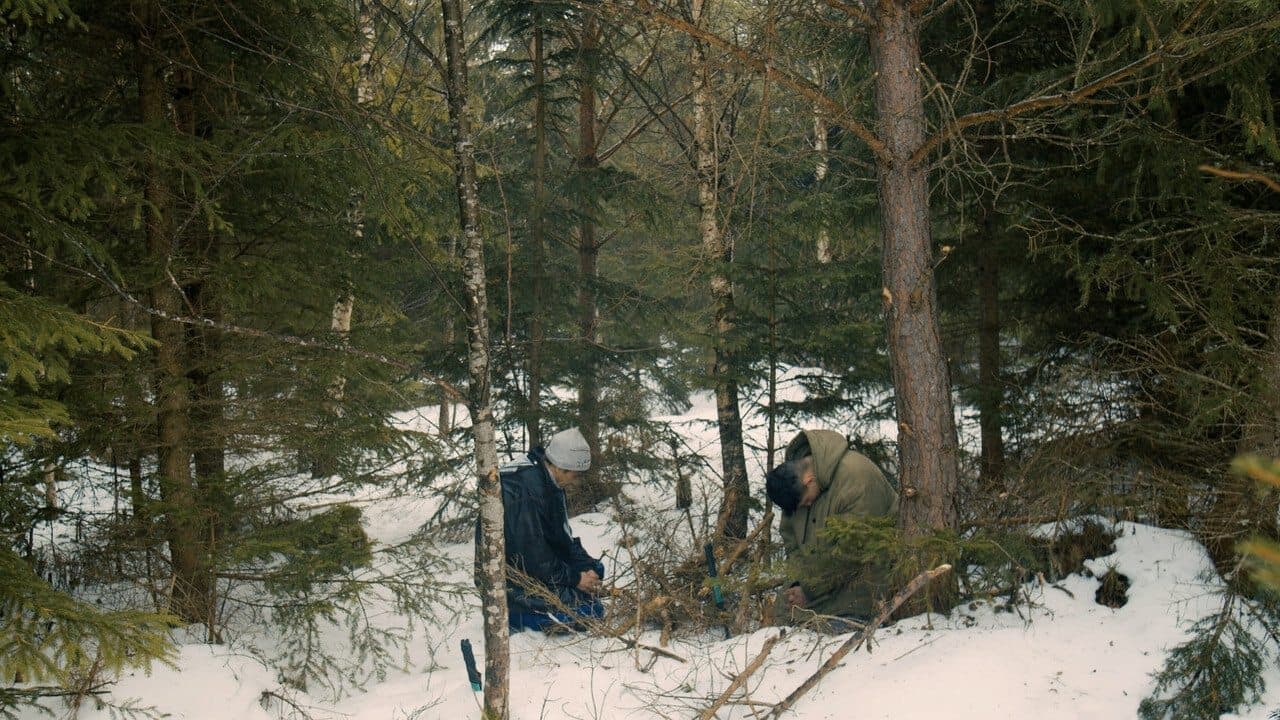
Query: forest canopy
{"type": "Point", "coordinates": [242, 241]}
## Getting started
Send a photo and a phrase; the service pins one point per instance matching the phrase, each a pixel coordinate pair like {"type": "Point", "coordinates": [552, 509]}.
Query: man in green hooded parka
{"type": "Point", "coordinates": [822, 478]}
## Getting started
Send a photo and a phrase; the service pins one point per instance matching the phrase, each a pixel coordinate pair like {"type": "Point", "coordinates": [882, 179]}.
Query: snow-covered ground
{"type": "Point", "coordinates": [1065, 656]}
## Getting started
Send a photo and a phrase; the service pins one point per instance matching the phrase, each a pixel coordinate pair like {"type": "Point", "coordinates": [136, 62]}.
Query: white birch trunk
{"type": "Point", "coordinates": [718, 247]}
{"type": "Point", "coordinates": [824, 252]}
{"type": "Point", "coordinates": [490, 553]}
{"type": "Point", "coordinates": [344, 306]}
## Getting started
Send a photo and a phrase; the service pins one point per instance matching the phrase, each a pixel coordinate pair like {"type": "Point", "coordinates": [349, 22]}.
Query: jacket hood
{"type": "Point", "coordinates": [826, 446]}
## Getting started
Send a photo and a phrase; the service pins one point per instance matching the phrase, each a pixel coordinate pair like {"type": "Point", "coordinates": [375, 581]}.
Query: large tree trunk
{"type": "Point", "coordinates": [491, 555]}
{"type": "Point", "coordinates": [990, 387]}
{"type": "Point", "coordinates": [208, 436]}
{"type": "Point", "coordinates": [537, 234]}
{"type": "Point", "coordinates": [718, 247]}
{"type": "Point", "coordinates": [926, 425]}
{"type": "Point", "coordinates": [191, 592]}
{"type": "Point", "coordinates": [588, 260]}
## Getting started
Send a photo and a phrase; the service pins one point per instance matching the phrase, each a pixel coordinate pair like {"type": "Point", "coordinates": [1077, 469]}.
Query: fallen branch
{"type": "Point", "coordinates": [856, 641]}
{"type": "Point", "coordinates": [633, 645]}
{"type": "Point", "coordinates": [741, 678]}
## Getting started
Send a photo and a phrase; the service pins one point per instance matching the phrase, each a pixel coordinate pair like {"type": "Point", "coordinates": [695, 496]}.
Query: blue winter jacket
{"type": "Point", "coordinates": [540, 544]}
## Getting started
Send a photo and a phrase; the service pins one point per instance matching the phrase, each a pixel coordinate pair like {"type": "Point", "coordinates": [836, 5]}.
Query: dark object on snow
{"type": "Point", "coordinates": [851, 487]}
{"type": "Point", "coordinates": [1072, 548]}
{"type": "Point", "coordinates": [473, 673]}
{"type": "Point", "coordinates": [1113, 589]}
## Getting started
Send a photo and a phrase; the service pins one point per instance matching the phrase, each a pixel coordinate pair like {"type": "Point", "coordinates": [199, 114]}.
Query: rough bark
{"type": "Point", "coordinates": [718, 247]}
{"type": "Point", "coordinates": [588, 260]}
{"type": "Point", "coordinates": [51, 485]}
{"type": "Point", "coordinates": [990, 388]}
{"type": "Point", "coordinates": [928, 467]}
{"type": "Point", "coordinates": [537, 235]}
{"type": "Point", "coordinates": [491, 555]}
{"type": "Point", "coordinates": [445, 419]}
{"type": "Point", "coordinates": [191, 591]}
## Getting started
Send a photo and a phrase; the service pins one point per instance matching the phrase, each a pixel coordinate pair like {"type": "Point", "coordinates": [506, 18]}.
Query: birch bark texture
{"type": "Point", "coordinates": [344, 306]}
{"type": "Point", "coordinates": [717, 246]}
{"type": "Point", "coordinates": [490, 552]}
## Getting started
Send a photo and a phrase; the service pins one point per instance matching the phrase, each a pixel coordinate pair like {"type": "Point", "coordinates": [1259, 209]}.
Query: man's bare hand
{"type": "Point", "coordinates": [589, 582]}
{"type": "Point", "coordinates": [795, 597]}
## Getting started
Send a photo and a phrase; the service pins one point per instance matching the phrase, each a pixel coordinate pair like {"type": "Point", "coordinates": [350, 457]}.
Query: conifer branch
{"type": "Point", "coordinates": [852, 11]}
{"type": "Point", "coordinates": [415, 370]}
{"type": "Point", "coordinates": [765, 67]}
{"type": "Point", "coordinates": [1164, 51]}
{"type": "Point", "coordinates": [410, 35]}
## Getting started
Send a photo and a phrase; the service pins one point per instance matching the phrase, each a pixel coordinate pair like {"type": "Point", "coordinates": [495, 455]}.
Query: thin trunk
{"type": "Point", "coordinates": [588, 259]}
{"type": "Point", "coordinates": [990, 389]}
{"type": "Point", "coordinates": [772, 439]}
{"type": "Point", "coordinates": [823, 250]}
{"type": "Point", "coordinates": [445, 420]}
{"type": "Point", "coordinates": [491, 555]}
{"type": "Point", "coordinates": [50, 486]}
{"type": "Point", "coordinates": [138, 499]}
{"type": "Point", "coordinates": [324, 461]}
{"type": "Point", "coordinates": [537, 235]}
{"type": "Point", "coordinates": [684, 484]}
{"type": "Point", "coordinates": [926, 426]}
{"type": "Point", "coordinates": [718, 246]}
{"type": "Point", "coordinates": [173, 466]}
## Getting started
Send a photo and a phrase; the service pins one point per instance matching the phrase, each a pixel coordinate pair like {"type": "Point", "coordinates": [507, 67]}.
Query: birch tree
{"type": "Point", "coordinates": [717, 245]}
{"type": "Point", "coordinates": [490, 551]}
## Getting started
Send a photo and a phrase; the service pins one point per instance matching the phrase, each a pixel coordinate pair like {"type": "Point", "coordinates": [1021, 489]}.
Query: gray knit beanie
{"type": "Point", "coordinates": [568, 450]}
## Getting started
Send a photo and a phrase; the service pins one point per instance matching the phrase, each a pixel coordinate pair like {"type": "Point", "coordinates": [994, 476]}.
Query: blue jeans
{"type": "Point", "coordinates": [519, 620]}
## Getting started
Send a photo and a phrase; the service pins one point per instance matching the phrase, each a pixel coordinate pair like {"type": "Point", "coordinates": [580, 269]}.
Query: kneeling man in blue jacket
{"type": "Point", "coordinates": [547, 560]}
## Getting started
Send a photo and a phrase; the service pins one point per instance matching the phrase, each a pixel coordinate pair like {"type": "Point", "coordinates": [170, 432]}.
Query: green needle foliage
{"type": "Point", "coordinates": [38, 340]}
{"type": "Point", "coordinates": [1217, 670]}
{"type": "Point", "coordinates": [49, 637]}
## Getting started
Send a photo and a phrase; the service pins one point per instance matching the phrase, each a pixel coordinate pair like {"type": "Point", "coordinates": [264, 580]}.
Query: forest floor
{"type": "Point", "coordinates": [1061, 655]}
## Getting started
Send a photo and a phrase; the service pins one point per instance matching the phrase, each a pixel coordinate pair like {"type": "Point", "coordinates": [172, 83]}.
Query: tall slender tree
{"type": "Point", "coordinates": [490, 550]}
{"type": "Point", "coordinates": [587, 163]}
{"type": "Point", "coordinates": [192, 590]}
{"type": "Point", "coordinates": [717, 245]}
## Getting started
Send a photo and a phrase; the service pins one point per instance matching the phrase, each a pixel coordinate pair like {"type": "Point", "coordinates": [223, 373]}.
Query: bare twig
{"type": "Point", "coordinates": [741, 678]}
{"type": "Point", "coordinates": [767, 68]}
{"type": "Point", "coordinates": [856, 641]}
{"type": "Point", "coordinates": [1236, 175]}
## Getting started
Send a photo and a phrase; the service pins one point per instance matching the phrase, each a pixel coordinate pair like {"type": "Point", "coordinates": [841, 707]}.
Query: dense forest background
{"type": "Point", "coordinates": [234, 256]}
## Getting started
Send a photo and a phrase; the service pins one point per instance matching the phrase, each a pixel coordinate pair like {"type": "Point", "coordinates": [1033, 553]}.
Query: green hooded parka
{"type": "Point", "coordinates": [852, 487]}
